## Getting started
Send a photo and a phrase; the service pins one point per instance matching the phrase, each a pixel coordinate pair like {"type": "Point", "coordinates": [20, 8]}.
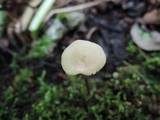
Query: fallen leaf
{"type": "Point", "coordinates": [152, 17]}
{"type": "Point", "coordinates": [143, 39]}
{"type": "Point", "coordinates": [4, 43]}
{"type": "Point", "coordinates": [154, 1]}
{"type": "Point", "coordinates": [156, 36]}
{"type": "Point", "coordinates": [60, 3]}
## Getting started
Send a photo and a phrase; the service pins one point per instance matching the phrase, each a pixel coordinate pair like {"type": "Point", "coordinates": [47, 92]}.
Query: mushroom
{"type": "Point", "coordinates": [83, 57]}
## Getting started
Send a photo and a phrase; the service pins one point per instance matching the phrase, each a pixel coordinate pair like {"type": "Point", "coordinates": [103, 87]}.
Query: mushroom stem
{"type": "Point", "coordinates": [87, 84]}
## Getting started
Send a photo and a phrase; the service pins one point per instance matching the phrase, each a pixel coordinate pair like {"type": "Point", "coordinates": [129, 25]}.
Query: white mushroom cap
{"type": "Point", "coordinates": [83, 57]}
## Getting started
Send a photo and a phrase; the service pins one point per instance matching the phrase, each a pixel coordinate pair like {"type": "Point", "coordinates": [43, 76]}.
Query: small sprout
{"type": "Point", "coordinates": [83, 57]}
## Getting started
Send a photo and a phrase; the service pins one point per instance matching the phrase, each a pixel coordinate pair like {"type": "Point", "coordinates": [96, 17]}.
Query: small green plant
{"type": "Point", "coordinates": [41, 48]}
{"type": "Point", "coordinates": [3, 18]}
{"type": "Point", "coordinates": [131, 47]}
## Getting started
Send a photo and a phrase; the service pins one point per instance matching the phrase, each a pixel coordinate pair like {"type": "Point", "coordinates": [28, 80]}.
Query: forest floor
{"type": "Point", "coordinates": [34, 86]}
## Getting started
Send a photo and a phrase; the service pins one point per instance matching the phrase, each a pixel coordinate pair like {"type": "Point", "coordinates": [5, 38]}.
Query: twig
{"type": "Point", "coordinates": [143, 53]}
{"type": "Point", "coordinates": [90, 33]}
{"type": "Point", "coordinates": [74, 8]}
{"type": "Point", "coordinates": [8, 51]}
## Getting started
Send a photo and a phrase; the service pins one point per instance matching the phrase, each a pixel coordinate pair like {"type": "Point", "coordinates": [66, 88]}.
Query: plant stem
{"type": "Point", "coordinates": [87, 84]}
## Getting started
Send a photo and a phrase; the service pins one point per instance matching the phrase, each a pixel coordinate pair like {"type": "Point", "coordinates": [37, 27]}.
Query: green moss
{"type": "Point", "coordinates": [128, 96]}
{"type": "Point", "coordinates": [132, 93]}
{"type": "Point", "coordinates": [131, 47]}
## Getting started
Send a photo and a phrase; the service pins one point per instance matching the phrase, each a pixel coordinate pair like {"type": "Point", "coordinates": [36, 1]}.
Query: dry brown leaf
{"type": "Point", "coordinates": [81, 1]}
{"type": "Point", "coordinates": [154, 1]}
{"type": "Point", "coordinates": [4, 43]}
{"type": "Point", "coordinates": [152, 17]}
{"type": "Point", "coordinates": [34, 3]}
{"type": "Point", "coordinates": [60, 3]}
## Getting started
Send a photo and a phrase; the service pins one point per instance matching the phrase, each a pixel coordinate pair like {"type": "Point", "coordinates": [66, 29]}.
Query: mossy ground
{"type": "Point", "coordinates": [132, 92]}
{"type": "Point", "coordinates": [34, 87]}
